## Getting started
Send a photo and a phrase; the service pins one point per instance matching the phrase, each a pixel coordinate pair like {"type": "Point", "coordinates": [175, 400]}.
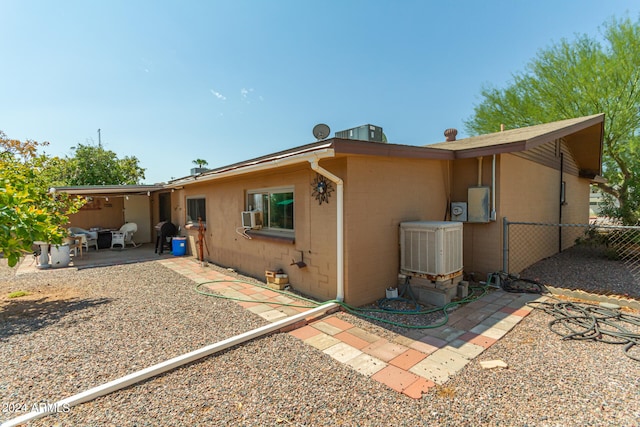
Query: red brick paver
{"type": "Point", "coordinates": [407, 359]}
{"type": "Point", "coordinates": [305, 332]}
{"type": "Point", "coordinates": [419, 387]}
{"type": "Point", "coordinates": [338, 323]}
{"type": "Point", "coordinates": [352, 340]}
{"type": "Point", "coordinates": [395, 378]}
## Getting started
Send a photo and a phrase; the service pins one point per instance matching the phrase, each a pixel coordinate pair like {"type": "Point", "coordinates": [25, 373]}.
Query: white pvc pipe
{"type": "Point", "coordinates": [165, 366]}
{"type": "Point", "coordinates": [339, 225]}
{"type": "Point", "coordinates": [493, 189]}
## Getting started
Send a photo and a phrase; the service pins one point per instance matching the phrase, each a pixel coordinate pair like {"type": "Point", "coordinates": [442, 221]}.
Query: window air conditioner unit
{"type": "Point", "coordinates": [432, 248]}
{"type": "Point", "coordinates": [251, 219]}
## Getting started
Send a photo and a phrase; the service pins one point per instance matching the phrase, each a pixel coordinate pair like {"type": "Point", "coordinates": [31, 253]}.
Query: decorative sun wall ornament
{"type": "Point", "coordinates": [322, 189]}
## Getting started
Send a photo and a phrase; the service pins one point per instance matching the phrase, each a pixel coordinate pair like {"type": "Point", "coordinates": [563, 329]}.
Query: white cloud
{"type": "Point", "coordinates": [218, 95]}
{"type": "Point", "coordinates": [247, 95]}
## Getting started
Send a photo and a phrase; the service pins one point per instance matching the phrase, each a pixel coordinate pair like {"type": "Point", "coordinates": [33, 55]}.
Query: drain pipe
{"type": "Point", "coordinates": [493, 216]}
{"type": "Point", "coordinates": [339, 225]}
{"type": "Point", "coordinates": [165, 366]}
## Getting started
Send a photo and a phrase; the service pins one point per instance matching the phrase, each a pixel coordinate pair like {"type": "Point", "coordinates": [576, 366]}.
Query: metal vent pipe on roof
{"type": "Point", "coordinates": [450, 134]}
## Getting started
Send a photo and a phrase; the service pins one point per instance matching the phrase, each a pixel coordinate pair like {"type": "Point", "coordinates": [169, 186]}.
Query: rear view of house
{"type": "Point", "coordinates": [328, 213]}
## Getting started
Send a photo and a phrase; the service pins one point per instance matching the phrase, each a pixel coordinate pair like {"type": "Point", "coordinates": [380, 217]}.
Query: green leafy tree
{"type": "Point", "coordinates": [580, 78]}
{"type": "Point", "coordinates": [94, 165]}
{"type": "Point", "coordinates": [200, 163]}
{"type": "Point", "coordinates": [28, 212]}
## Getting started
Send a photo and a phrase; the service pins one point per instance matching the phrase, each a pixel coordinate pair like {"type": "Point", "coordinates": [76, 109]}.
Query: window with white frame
{"type": "Point", "coordinates": [196, 208]}
{"type": "Point", "coordinates": [276, 206]}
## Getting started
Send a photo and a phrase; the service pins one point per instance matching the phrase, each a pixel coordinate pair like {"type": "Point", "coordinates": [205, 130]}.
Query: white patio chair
{"type": "Point", "coordinates": [118, 239]}
{"type": "Point", "coordinates": [124, 236]}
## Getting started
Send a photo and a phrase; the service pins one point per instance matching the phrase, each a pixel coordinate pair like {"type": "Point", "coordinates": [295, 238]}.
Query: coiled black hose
{"type": "Point", "coordinates": [581, 321]}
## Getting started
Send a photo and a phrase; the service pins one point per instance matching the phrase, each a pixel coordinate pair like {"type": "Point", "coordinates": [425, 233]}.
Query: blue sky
{"type": "Point", "coordinates": [225, 81]}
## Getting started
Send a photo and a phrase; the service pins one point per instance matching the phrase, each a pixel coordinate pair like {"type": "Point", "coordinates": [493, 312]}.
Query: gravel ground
{"type": "Point", "coordinates": [586, 268]}
{"type": "Point", "coordinates": [79, 329]}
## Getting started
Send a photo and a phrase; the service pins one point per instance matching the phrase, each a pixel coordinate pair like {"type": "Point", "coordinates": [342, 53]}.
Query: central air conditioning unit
{"type": "Point", "coordinates": [363, 133]}
{"type": "Point", "coordinates": [431, 248]}
{"type": "Point", "coordinates": [251, 219]}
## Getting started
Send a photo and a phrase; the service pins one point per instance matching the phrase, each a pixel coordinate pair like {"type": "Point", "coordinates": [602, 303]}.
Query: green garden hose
{"type": "Point", "coordinates": [360, 312]}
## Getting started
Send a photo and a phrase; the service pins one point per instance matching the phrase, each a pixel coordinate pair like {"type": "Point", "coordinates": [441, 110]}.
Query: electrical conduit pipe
{"type": "Point", "coordinates": [339, 225]}
{"type": "Point", "coordinates": [165, 366]}
{"type": "Point", "coordinates": [493, 189]}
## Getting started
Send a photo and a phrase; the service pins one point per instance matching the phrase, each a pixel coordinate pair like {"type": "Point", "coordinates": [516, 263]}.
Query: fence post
{"type": "Point", "coordinates": [505, 244]}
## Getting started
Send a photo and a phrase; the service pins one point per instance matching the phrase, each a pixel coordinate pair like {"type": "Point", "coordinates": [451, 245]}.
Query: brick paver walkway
{"type": "Point", "coordinates": [409, 364]}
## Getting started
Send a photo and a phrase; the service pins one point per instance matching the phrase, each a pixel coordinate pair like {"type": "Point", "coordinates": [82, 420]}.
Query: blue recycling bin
{"type": "Point", "coordinates": [179, 246]}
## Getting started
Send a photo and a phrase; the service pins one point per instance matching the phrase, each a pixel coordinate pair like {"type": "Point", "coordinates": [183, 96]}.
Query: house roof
{"type": "Point", "coordinates": [332, 147]}
{"type": "Point", "coordinates": [583, 135]}
{"type": "Point", "coordinates": [106, 189]}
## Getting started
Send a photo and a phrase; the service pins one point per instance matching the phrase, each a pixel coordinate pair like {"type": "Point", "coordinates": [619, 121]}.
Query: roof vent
{"type": "Point", "coordinates": [450, 134]}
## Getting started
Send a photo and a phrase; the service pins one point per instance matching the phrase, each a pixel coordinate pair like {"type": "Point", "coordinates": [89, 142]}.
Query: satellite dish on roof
{"type": "Point", "coordinates": [321, 131]}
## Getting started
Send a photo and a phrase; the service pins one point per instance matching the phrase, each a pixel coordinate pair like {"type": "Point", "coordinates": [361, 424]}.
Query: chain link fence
{"type": "Point", "coordinates": [598, 257]}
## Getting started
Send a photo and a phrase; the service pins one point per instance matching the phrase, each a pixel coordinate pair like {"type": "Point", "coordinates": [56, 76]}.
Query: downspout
{"type": "Point", "coordinates": [493, 216]}
{"type": "Point", "coordinates": [560, 203]}
{"type": "Point", "coordinates": [339, 226]}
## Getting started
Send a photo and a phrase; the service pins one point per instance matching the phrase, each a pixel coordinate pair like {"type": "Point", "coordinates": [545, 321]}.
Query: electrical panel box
{"type": "Point", "coordinates": [431, 247]}
{"type": "Point", "coordinates": [478, 204]}
{"type": "Point", "coordinates": [459, 211]}
{"type": "Point", "coordinates": [363, 133]}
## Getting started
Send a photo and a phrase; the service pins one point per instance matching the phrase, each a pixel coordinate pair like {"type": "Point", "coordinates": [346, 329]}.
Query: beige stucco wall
{"type": "Point", "coordinates": [482, 244]}
{"type": "Point", "coordinates": [526, 191]}
{"type": "Point", "coordinates": [380, 193]}
{"type": "Point", "coordinates": [315, 227]}
{"type": "Point", "coordinates": [100, 213]}
{"type": "Point", "coordinates": [531, 192]}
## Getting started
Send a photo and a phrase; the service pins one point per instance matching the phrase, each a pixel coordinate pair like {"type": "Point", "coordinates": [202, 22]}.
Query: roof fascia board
{"type": "Point", "coordinates": [109, 189]}
{"type": "Point", "coordinates": [600, 153]}
{"type": "Point", "coordinates": [257, 165]}
{"type": "Point", "coordinates": [350, 146]}
{"type": "Point", "coordinates": [488, 151]}
{"type": "Point", "coordinates": [527, 144]}
{"type": "Point", "coordinates": [561, 133]}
